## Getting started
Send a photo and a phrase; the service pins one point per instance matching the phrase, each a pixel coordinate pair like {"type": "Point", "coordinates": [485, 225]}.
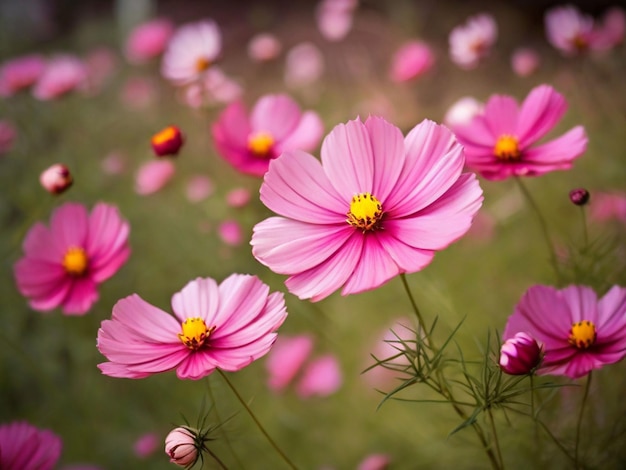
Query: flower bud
{"type": "Point", "coordinates": [579, 196]}
{"type": "Point", "coordinates": [520, 354]}
{"type": "Point", "coordinates": [56, 179]}
{"type": "Point", "coordinates": [167, 142]}
{"type": "Point", "coordinates": [183, 446]}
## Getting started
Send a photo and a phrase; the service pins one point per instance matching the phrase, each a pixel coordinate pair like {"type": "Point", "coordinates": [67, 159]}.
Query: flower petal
{"type": "Point", "coordinates": [558, 153]}
{"type": "Point", "coordinates": [375, 267]}
{"type": "Point", "coordinates": [69, 224]}
{"type": "Point", "coordinates": [501, 115]}
{"type": "Point", "coordinates": [199, 298]}
{"type": "Point", "coordinates": [541, 111]}
{"type": "Point", "coordinates": [278, 115]}
{"type": "Point", "coordinates": [306, 136]}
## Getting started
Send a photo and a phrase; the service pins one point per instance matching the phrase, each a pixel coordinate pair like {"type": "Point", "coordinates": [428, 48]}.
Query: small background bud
{"type": "Point", "coordinates": [56, 179]}
{"type": "Point", "coordinates": [167, 142]}
{"type": "Point", "coordinates": [579, 196]}
{"type": "Point", "coordinates": [520, 354]}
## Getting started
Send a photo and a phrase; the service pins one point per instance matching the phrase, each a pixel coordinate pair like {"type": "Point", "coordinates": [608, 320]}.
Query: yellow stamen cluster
{"type": "Point", "coordinates": [507, 148]}
{"type": "Point", "coordinates": [195, 333]}
{"type": "Point", "coordinates": [583, 334]}
{"type": "Point", "coordinates": [365, 212]}
{"type": "Point", "coordinates": [202, 63]}
{"type": "Point", "coordinates": [75, 261]}
{"type": "Point", "coordinates": [166, 135]}
{"type": "Point", "coordinates": [261, 143]}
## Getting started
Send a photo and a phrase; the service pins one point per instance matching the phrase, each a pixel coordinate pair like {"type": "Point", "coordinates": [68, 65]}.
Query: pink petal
{"type": "Point", "coordinates": [199, 298]}
{"type": "Point", "coordinates": [374, 268]}
{"type": "Point", "coordinates": [286, 358]}
{"type": "Point", "coordinates": [612, 311]}
{"type": "Point", "coordinates": [541, 111]}
{"type": "Point", "coordinates": [306, 135]}
{"type": "Point", "coordinates": [195, 367]}
{"type": "Point", "coordinates": [69, 225]}
{"type": "Point", "coordinates": [408, 258]}
{"type": "Point", "coordinates": [82, 295]}
{"type": "Point", "coordinates": [146, 322]}
{"type": "Point", "coordinates": [322, 378]}
{"type": "Point", "coordinates": [232, 127]}
{"type": "Point", "coordinates": [279, 115]}
{"type": "Point", "coordinates": [39, 244]}
{"type": "Point", "coordinates": [558, 153]}
{"type": "Point", "coordinates": [106, 242]}
{"type": "Point", "coordinates": [501, 115]}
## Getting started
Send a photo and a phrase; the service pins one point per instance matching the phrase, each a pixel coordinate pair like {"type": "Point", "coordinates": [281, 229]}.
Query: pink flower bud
{"type": "Point", "coordinates": [579, 196]}
{"type": "Point", "coordinates": [56, 179]}
{"type": "Point", "coordinates": [182, 446]}
{"type": "Point", "coordinates": [167, 142]}
{"type": "Point", "coordinates": [520, 354]}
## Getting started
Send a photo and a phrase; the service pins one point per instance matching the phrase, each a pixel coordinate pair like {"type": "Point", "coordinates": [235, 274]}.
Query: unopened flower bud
{"type": "Point", "coordinates": [184, 445]}
{"type": "Point", "coordinates": [167, 142]}
{"type": "Point", "coordinates": [579, 196]}
{"type": "Point", "coordinates": [520, 354]}
{"type": "Point", "coordinates": [56, 179]}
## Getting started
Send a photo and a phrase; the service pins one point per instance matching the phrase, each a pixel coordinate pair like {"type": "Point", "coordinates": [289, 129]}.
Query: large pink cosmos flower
{"type": "Point", "coordinates": [500, 142]}
{"type": "Point", "coordinates": [275, 125]}
{"type": "Point", "coordinates": [192, 50]}
{"type": "Point", "coordinates": [378, 205]}
{"type": "Point", "coordinates": [64, 264]}
{"type": "Point", "coordinates": [471, 42]}
{"type": "Point", "coordinates": [25, 447]}
{"type": "Point", "coordinates": [19, 73]}
{"type": "Point", "coordinates": [226, 327]}
{"type": "Point", "coordinates": [579, 332]}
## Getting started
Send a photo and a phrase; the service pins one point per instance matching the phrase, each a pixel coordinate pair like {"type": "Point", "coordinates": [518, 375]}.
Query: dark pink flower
{"type": "Point", "coordinates": [63, 264]}
{"type": "Point", "coordinates": [19, 73]}
{"type": "Point", "coordinates": [579, 333]}
{"type": "Point", "coordinates": [226, 327]}
{"type": "Point", "coordinates": [501, 141]}
{"type": "Point", "coordinates": [275, 125]}
{"type": "Point", "coordinates": [230, 232]}
{"type": "Point", "coordinates": [411, 60]}
{"type": "Point", "coordinates": [148, 40]}
{"type": "Point", "coordinates": [63, 74]}
{"type": "Point", "coordinates": [520, 355]}
{"type": "Point", "coordinates": [25, 447]}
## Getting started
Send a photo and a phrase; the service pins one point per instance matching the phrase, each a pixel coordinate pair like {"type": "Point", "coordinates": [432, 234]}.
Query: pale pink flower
{"type": "Point", "coordinates": [502, 141]}
{"type": "Point", "coordinates": [230, 232]}
{"type": "Point", "coordinates": [146, 445]}
{"type": "Point", "coordinates": [524, 61]}
{"type": "Point", "coordinates": [63, 74]}
{"type": "Point", "coordinates": [462, 111]}
{"type": "Point", "coordinates": [56, 178]}
{"type": "Point", "coordinates": [376, 206]}
{"type": "Point", "coordinates": [152, 176]}
{"type": "Point", "coordinates": [605, 206]}
{"type": "Point", "coordinates": [139, 92]}
{"type": "Point", "coordinates": [321, 377]}
{"type": "Point", "coordinates": [264, 47]}
{"type": "Point", "coordinates": [25, 447]}
{"type": "Point", "coordinates": [8, 134]}
{"type": "Point", "coordinates": [113, 163]}
{"type": "Point", "coordinates": [275, 125]}
{"type": "Point", "coordinates": [571, 31]}
{"type": "Point", "coordinates": [19, 73]}
{"type": "Point", "coordinates": [472, 41]}
{"type": "Point", "coordinates": [148, 40]}
{"type": "Point", "coordinates": [192, 50]}
{"type": "Point", "coordinates": [613, 27]}
{"type": "Point", "coordinates": [579, 332]}
{"type": "Point", "coordinates": [375, 462]}
{"type": "Point", "coordinates": [286, 359]}
{"type": "Point", "coordinates": [199, 188]}
{"type": "Point", "coordinates": [304, 65]}
{"type": "Point", "coordinates": [238, 197]}
{"type": "Point", "coordinates": [226, 327]}
{"type": "Point", "coordinates": [182, 446]}
{"type": "Point", "coordinates": [213, 88]}
{"type": "Point", "coordinates": [334, 18]}
{"type": "Point", "coordinates": [411, 60]}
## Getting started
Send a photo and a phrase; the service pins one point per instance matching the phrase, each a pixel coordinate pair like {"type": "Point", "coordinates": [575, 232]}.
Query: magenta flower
{"type": "Point", "coordinates": [500, 142]}
{"type": "Point", "coordinates": [64, 264]}
{"type": "Point", "coordinates": [63, 74]}
{"type": "Point", "coordinates": [226, 327]}
{"type": "Point", "coordinates": [25, 447]}
{"type": "Point", "coordinates": [275, 125]}
{"type": "Point", "coordinates": [411, 60]}
{"type": "Point", "coordinates": [472, 41]}
{"type": "Point", "coordinates": [19, 73]}
{"type": "Point", "coordinates": [378, 205]}
{"type": "Point", "coordinates": [579, 332]}
{"type": "Point", "coordinates": [148, 40]}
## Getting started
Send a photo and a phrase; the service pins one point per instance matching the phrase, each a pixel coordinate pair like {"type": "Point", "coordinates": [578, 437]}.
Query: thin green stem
{"type": "Point", "coordinates": [555, 440]}
{"type": "Point", "coordinates": [216, 458]}
{"type": "Point", "coordinates": [219, 420]}
{"type": "Point", "coordinates": [544, 228]}
{"type": "Point", "coordinates": [257, 422]}
{"type": "Point", "coordinates": [496, 442]}
{"type": "Point", "coordinates": [580, 420]}
{"type": "Point", "coordinates": [416, 310]}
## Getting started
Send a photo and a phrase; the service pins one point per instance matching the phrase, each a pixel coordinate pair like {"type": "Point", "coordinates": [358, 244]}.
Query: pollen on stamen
{"type": "Point", "coordinates": [365, 212]}
{"type": "Point", "coordinates": [75, 261]}
{"type": "Point", "coordinates": [261, 144]}
{"type": "Point", "coordinates": [195, 333]}
{"type": "Point", "coordinates": [583, 334]}
{"type": "Point", "coordinates": [202, 64]}
{"type": "Point", "coordinates": [507, 148]}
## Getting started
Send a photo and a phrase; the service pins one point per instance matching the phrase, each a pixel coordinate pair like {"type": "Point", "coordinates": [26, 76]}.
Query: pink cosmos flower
{"type": "Point", "coordinates": [304, 65]}
{"type": "Point", "coordinates": [63, 264]}
{"type": "Point", "coordinates": [264, 47]}
{"type": "Point", "coordinates": [213, 88]}
{"type": "Point", "coordinates": [286, 359]}
{"type": "Point", "coordinates": [275, 125]}
{"type": "Point", "coordinates": [25, 447]}
{"type": "Point", "coordinates": [411, 60]}
{"type": "Point", "coordinates": [501, 142]}
{"type": "Point", "coordinates": [524, 61]}
{"type": "Point", "coordinates": [573, 32]}
{"type": "Point", "coordinates": [226, 327]}
{"type": "Point", "coordinates": [471, 42]}
{"type": "Point", "coordinates": [334, 18]}
{"type": "Point", "coordinates": [613, 27]}
{"type": "Point", "coordinates": [579, 332]}
{"type": "Point", "coordinates": [376, 206]}
{"type": "Point", "coordinates": [8, 134]}
{"type": "Point", "coordinates": [19, 73]}
{"type": "Point", "coordinates": [322, 377]}
{"type": "Point", "coordinates": [462, 111]}
{"type": "Point", "coordinates": [605, 206]}
{"type": "Point", "coordinates": [192, 50]}
{"type": "Point", "coordinates": [152, 176]}
{"type": "Point", "coordinates": [63, 74]}
{"type": "Point", "coordinates": [148, 40]}
{"type": "Point", "coordinates": [199, 188]}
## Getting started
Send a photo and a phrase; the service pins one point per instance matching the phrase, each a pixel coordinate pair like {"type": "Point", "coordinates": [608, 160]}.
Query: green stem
{"type": "Point", "coordinates": [257, 422]}
{"type": "Point", "coordinates": [222, 431]}
{"type": "Point", "coordinates": [216, 458]}
{"type": "Point", "coordinates": [416, 310]}
{"type": "Point", "coordinates": [495, 437]}
{"type": "Point", "coordinates": [580, 420]}
{"type": "Point", "coordinates": [554, 439]}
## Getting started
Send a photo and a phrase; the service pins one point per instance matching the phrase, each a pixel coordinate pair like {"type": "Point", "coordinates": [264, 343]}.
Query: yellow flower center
{"type": "Point", "coordinates": [507, 148]}
{"type": "Point", "coordinates": [583, 334]}
{"type": "Point", "coordinates": [167, 134]}
{"type": "Point", "coordinates": [202, 63]}
{"type": "Point", "coordinates": [365, 212]}
{"type": "Point", "coordinates": [75, 261]}
{"type": "Point", "coordinates": [260, 143]}
{"type": "Point", "coordinates": [195, 333]}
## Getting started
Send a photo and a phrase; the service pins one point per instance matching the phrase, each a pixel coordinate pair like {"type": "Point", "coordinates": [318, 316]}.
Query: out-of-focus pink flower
{"type": "Point", "coordinates": [304, 65]}
{"type": "Point", "coordinates": [199, 188]}
{"type": "Point", "coordinates": [63, 265]}
{"type": "Point", "coordinates": [286, 359]}
{"type": "Point", "coordinates": [238, 197]}
{"type": "Point", "coordinates": [463, 111]}
{"type": "Point", "coordinates": [322, 377]}
{"type": "Point", "coordinates": [153, 175]}
{"type": "Point", "coordinates": [471, 42]}
{"type": "Point", "coordinates": [377, 205]}
{"type": "Point", "coordinates": [139, 92]}
{"type": "Point", "coordinates": [192, 50]}
{"type": "Point", "coordinates": [146, 445]}
{"type": "Point", "coordinates": [100, 64]}
{"type": "Point", "coordinates": [605, 206]}
{"type": "Point", "coordinates": [264, 47]}
{"type": "Point", "coordinates": [275, 125]}
{"type": "Point", "coordinates": [501, 142]}
{"type": "Point", "coordinates": [524, 61]}
{"type": "Point", "coordinates": [56, 179]}
{"type": "Point", "coordinates": [571, 31]}
{"type": "Point", "coordinates": [8, 134]}
{"type": "Point", "coordinates": [167, 142]}
{"type": "Point", "coordinates": [148, 40]}
{"type": "Point", "coordinates": [613, 27]}
{"type": "Point", "coordinates": [579, 333]}
{"type": "Point", "coordinates": [215, 87]}
{"type": "Point", "coordinates": [182, 446]}
{"type": "Point", "coordinates": [226, 327]}
{"type": "Point", "coordinates": [411, 60]}
{"type": "Point", "coordinates": [375, 462]}
{"type": "Point", "coordinates": [19, 73]}
{"type": "Point", "coordinates": [230, 232]}
{"type": "Point", "coordinates": [63, 74]}
{"type": "Point", "coordinates": [25, 447]}
{"type": "Point", "coordinates": [114, 163]}
{"type": "Point", "coordinates": [334, 18]}
{"type": "Point", "coordinates": [520, 354]}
